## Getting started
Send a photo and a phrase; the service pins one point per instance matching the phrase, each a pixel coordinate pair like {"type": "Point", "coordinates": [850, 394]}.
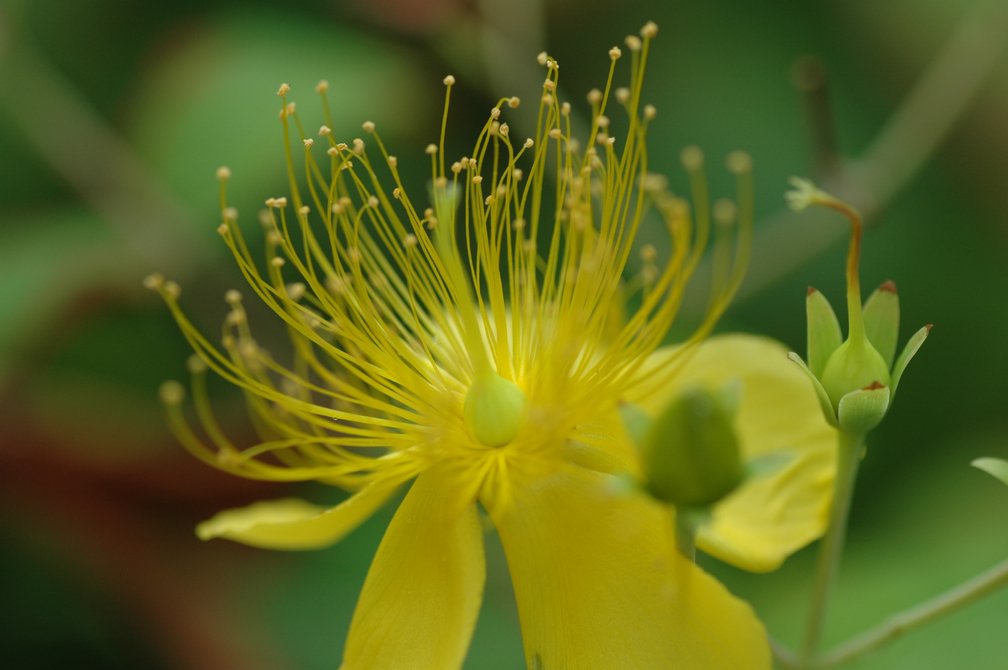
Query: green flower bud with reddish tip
{"type": "Point", "coordinates": [856, 379]}
{"type": "Point", "coordinates": [691, 455]}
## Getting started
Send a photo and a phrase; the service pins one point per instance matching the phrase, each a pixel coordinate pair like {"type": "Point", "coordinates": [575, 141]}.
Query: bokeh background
{"type": "Point", "coordinates": [114, 115]}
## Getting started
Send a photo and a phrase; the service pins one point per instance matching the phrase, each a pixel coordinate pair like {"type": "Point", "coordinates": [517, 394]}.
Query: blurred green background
{"type": "Point", "coordinates": [115, 113]}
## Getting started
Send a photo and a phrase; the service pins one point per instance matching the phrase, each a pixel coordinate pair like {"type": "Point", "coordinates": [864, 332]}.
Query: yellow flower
{"type": "Point", "coordinates": [479, 349]}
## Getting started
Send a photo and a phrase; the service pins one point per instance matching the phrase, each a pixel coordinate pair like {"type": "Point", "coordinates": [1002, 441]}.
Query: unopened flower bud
{"type": "Point", "coordinates": [691, 454]}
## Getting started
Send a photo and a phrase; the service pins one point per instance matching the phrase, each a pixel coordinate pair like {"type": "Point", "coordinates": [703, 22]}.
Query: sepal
{"type": "Point", "coordinates": [860, 411]}
{"type": "Point", "coordinates": [824, 336]}
{"type": "Point", "coordinates": [912, 345]}
{"type": "Point", "coordinates": [824, 402]}
{"type": "Point", "coordinates": [881, 320]}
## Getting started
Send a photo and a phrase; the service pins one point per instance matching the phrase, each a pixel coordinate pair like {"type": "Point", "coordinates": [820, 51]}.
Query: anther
{"type": "Point", "coordinates": [195, 364]}
{"type": "Point", "coordinates": [322, 86]}
{"type": "Point", "coordinates": [739, 162]}
{"type": "Point", "coordinates": [449, 80]}
{"type": "Point", "coordinates": [692, 158]}
{"type": "Point", "coordinates": [154, 281]}
{"type": "Point", "coordinates": [223, 173]}
{"type": "Point", "coordinates": [368, 126]}
{"type": "Point", "coordinates": [615, 53]}
{"type": "Point", "coordinates": [172, 393]}
{"type": "Point", "coordinates": [283, 90]}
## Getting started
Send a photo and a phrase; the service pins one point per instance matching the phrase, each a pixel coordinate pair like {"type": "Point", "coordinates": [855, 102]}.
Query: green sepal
{"type": "Point", "coordinates": [691, 455]}
{"type": "Point", "coordinates": [996, 467]}
{"type": "Point", "coordinates": [881, 320]}
{"type": "Point", "coordinates": [824, 401]}
{"type": "Point", "coordinates": [766, 465]}
{"type": "Point", "coordinates": [636, 421]}
{"type": "Point", "coordinates": [861, 410]}
{"type": "Point", "coordinates": [823, 328]}
{"type": "Point", "coordinates": [912, 345]}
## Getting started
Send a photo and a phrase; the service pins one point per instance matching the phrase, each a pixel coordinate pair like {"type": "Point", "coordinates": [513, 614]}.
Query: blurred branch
{"type": "Point", "coordinates": [927, 114]}
{"type": "Point", "coordinates": [810, 78]}
{"type": "Point", "coordinates": [899, 624]}
{"type": "Point", "coordinates": [89, 154]}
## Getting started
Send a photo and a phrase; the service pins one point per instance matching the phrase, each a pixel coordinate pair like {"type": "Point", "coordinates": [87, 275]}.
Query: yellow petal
{"type": "Point", "coordinates": [599, 584]}
{"type": "Point", "coordinates": [770, 516]}
{"type": "Point", "coordinates": [422, 594]}
{"type": "Point", "coordinates": [295, 524]}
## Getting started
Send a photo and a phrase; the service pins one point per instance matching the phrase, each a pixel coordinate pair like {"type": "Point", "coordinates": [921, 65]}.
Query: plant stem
{"type": "Point", "coordinates": [685, 533]}
{"type": "Point", "coordinates": [918, 615]}
{"type": "Point", "coordinates": [849, 450]}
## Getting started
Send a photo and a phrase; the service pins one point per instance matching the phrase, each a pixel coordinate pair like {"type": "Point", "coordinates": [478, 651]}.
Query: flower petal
{"type": "Point", "coordinates": [599, 584]}
{"type": "Point", "coordinates": [423, 592]}
{"type": "Point", "coordinates": [769, 517]}
{"type": "Point", "coordinates": [295, 524]}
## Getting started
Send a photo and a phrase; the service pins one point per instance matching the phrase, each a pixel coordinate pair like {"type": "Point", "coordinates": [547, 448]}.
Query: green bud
{"type": "Point", "coordinates": [855, 365]}
{"type": "Point", "coordinates": [861, 410]}
{"type": "Point", "coordinates": [494, 409]}
{"type": "Point", "coordinates": [881, 320]}
{"type": "Point", "coordinates": [691, 454]}
{"type": "Point", "coordinates": [824, 336]}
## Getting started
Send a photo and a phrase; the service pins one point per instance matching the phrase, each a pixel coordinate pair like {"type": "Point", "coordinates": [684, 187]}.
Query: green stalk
{"type": "Point", "coordinates": [918, 615]}
{"type": "Point", "coordinates": [685, 533]}
{"type": "Point", "coordinates": [849, 449]}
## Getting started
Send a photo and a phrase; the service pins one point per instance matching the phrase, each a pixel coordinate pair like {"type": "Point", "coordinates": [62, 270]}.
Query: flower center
{"type": "Point", "coordinates": [494, 409]}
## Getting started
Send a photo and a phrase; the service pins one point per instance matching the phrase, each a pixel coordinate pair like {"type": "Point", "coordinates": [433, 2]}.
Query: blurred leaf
{"type": "Point", "coordinates": [48, 259]}
{"type": "Point", "coordinates": [210, 100]}
{"type": "Point", "coordinates": [995, 467]}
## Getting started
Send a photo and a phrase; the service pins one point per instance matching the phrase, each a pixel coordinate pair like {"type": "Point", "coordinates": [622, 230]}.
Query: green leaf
{"type": "Point", "coordinates": [996, 467]}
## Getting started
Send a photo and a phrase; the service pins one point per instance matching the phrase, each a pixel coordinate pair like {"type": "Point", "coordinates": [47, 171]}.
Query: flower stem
{"type": "Point", "coordinates": [685, 533]}
{"type": "Point", "coordinates": [849, 450]}
{"type": "Point", "coordinates": [918, 615]}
